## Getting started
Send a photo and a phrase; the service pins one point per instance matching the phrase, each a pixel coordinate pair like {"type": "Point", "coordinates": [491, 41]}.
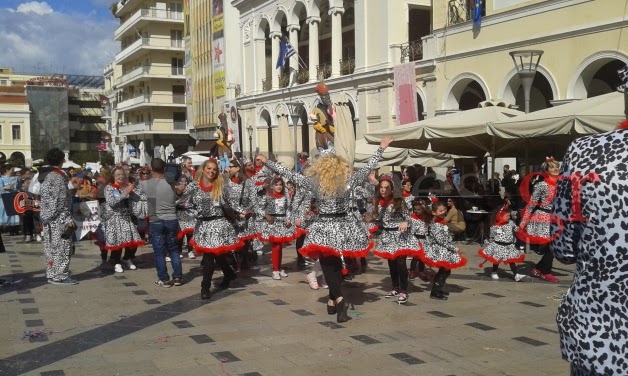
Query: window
{"type": "Point", "coordinates": [17, 132]}
{"type": "Point", "coordinates": [177, 66]}
{"type": "Point", "coordinates": [176, 38]}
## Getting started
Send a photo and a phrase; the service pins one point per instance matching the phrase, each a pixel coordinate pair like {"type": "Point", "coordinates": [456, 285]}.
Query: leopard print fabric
{"type": "Point", "coordinates": [501, 246]}
{"type": "Point", "coordinates": [392, 243]}
{"type": "Point", "coordinates": [120, 232]}
{"type": "Point", "coordinates": [592, 318]}
{"type": "Point", "coordinates": [537, 218]}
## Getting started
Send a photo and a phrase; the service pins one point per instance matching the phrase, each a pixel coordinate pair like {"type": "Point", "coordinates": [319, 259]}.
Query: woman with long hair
{"type": "Point", "coordinates": [186, 216]}
{"type": "Point", "coordinates": [277, 228]}
{"type": "Point", "coordinates": [214, 236]}
{"type": "Point", "coordinates": [120, 232]}
{"type": "Point", "coordinates": [535, 223]}
{"type": "Point", "coordinates": [333, 234]}
{"type": "Point", "coordinates": [395, 242]}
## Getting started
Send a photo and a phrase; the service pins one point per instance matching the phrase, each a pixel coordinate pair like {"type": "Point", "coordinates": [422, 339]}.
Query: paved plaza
{"type": "Point", "coordinates": [125, 325]}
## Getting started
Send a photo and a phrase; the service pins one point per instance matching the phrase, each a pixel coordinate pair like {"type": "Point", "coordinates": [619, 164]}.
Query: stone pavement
{"type": "Point", "coordinates": [125, 325]}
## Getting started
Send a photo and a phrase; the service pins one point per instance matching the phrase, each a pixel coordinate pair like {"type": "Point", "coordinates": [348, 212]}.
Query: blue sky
{"type": "Point", "coordinates": [57, 36]}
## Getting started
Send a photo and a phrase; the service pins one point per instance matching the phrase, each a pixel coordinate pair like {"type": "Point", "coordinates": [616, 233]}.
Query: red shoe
{"type": "Point", "coordinates": [550, 278]}
{"type": "Point", "coordinates": [424, 277]}
{"type": "Point", "coordinates": [536, 273]}
{"type": "Point", "coordinates": [412, 276]}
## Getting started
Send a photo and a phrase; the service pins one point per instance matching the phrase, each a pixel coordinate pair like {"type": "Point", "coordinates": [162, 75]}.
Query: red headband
{"type": "Point", "coordinates": [549, 159]}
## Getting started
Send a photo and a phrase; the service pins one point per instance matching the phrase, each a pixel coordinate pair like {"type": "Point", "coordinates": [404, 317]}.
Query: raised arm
{"type": "Point", "coordinates": [360, 176]}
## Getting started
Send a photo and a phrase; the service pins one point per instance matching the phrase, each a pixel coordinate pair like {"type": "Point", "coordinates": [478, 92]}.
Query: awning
{"type": "Point", "coordinates": [205, 146]}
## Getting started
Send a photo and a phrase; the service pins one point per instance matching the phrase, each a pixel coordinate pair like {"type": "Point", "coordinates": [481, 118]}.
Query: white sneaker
{"type": "Point", "coordinates": [282, 273]}
{"type": "Point", "coordinates": [191, 255]}
{"type": "Point", "coordinates": [276, 275]}
{"type": "Point", "coordinates": [260, 252]}
{"type": "Point", "coordinates": [519, 277]}
{"type": "Point", "coordinates": [180, 255]}
{"type": "Point", "coordinates": [129, 264]}
{"type": "Point", "coordinates": [311, 279]}
{"type": "Point", "coordinates": [494, 276]}
{"type": "Point", "coordinates": [38, 238]}
{"type": "Point", "coordinates": [168, 259]}
{"type": "Point", "coordinates": [118, 268]}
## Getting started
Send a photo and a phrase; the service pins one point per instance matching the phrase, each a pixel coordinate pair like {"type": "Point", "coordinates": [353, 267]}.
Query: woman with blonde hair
{"type": "Point", "coordinates": [214, 236]}
{"type": "Point", "coordinates": [535, 223]}
{"type": "Point", "coordinates": [334, 233]}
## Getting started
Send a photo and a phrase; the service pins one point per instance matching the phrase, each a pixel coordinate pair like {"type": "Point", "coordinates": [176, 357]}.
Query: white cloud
{"type": "Point", "coordinates": [36, 39]}
{"type": "Point", "coordinates": [35, 7]}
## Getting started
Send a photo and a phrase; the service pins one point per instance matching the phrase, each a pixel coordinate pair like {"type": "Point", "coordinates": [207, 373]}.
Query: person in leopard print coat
{"type": "Point", "coordinates": [56, 218]}
{"type": "Point", "coordinates": [592, 318]}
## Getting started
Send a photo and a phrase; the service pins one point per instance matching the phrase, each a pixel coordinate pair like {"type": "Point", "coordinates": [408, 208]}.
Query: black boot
{"type": "Point", "coordinates": [226, 280]}
{"type": "Point", "coordinates": [331, 310]}
{"type": "Point", "coordinates": [341, 311]}
{"type": "Point", "coordinates": [205, 294]}
{"type": "Point", "coordinates": [437, 293]}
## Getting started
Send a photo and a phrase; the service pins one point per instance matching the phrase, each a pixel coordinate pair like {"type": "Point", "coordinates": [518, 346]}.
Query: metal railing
{"type": "Point", "coordinates": [178, 125]}
{"type": "Point", "coordinates": [323, 71]}
{"type": "Point", "coordinates": [284, 80]}
{"type": "Point", "coordinates": [303, 76]}
{"type": "Point", "coordinates": [178, 98]}
{"type": "Point", "coordinates": [347, 66]}
{"type": "Point", "coordinates": [412, 51]}
{"type": "Point", "coordinates": [458, 12]}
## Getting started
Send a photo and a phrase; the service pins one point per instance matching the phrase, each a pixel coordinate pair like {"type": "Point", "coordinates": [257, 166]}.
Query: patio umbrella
{"type": "Point", "coordinates": [344, 137]}
{"type": "Point", "coordinates": [142, 154]}
{"type": "Point", "coordinates": [284, 138]}
{"type": "Point", "coordinates": [169, 152]}
{"type": "Point", "coordinates": [403, 157]}
{"type": "Point", "coordinates": [197, 159]}
{"type": "Point", "coordinates": [162, 153]}
{"type": "Point", "coordinates": [116, 152]}
{"type": "Point", "coordinates": [126, 155]}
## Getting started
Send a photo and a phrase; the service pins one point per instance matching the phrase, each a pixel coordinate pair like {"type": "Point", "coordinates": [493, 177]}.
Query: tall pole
{"type": "Point", "coordinates": [251, 146]}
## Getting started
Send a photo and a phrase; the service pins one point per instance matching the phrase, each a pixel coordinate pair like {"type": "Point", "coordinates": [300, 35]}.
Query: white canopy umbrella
{"type": "Point", "coordinates": [284, 138]}
{"type": "Point", "coordinates": [142, 154]}
{"type": "Point", "coordinates": [126, 154]}
{"type": "Point", "coordinates": [162, 153]}
{"type": "Point", "coordinates": [116, 152]}
{"type": "Point", "coordinates": [169, 151]}
{"type": "Point", "coordinates": [402, 157]}
{"type": "Point", "coordinates": [70, 164]}
{"type": "Point", "coordinates": [197, 159]}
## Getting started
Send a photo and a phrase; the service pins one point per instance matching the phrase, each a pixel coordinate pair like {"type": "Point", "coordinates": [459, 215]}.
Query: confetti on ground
{"type": "Point", "coordinates": [494, 349]}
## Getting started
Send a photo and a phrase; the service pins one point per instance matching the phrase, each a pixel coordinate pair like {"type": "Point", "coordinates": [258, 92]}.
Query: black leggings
{"type": "Point", "coordinates": [129, 254]}
{"type": "Point", "coordinates": [399, 274]}
{"type": "Point", "coordinates": [209, 263]}
{"type": "Point", "coordinates": [545, 264]}
{"type": "Point", "coordinates": [513, 268]}
{"type": "Point", "coordinates": [414, 263]}
{"type": "Point", "coordinates": [332, 270]}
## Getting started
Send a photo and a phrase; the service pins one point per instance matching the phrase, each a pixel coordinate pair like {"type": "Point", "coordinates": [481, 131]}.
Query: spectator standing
{"type": "Point", "coordinates": [163, 224]}
{"type": "Point", "coordinates": [57, 220]}
{"type": "Point", "coordinates": [455, 218]}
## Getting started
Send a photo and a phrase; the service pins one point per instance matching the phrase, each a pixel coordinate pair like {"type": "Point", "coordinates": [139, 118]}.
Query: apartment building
{"type": "Point", "coordinates": [15, 141]}
{"type": "Point", "coordinates": [147, 85]}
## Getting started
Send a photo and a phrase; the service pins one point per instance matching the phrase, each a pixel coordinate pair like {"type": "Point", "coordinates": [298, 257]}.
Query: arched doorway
{"type": "Point", "coordinates": [465, 92]}
{"type": "Point", "coordinates": [420, 107]}
{"type": "Point", "coordinates": [597, 75]}
{"type": "Point", "coordinates": [471, 96]}
{"type": "Point", "coordinates": [606, 79]}
{"type": "Point", "coordinates": [17, 159]}
{"type": "Point", "coordinates": [543, 91]}
{"type": "Point", "coordinates": [265, 122]}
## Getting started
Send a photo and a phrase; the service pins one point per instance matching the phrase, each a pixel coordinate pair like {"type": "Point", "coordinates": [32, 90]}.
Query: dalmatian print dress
{"type": "Point", "coordinates": [418, 229]}
{"type": "Point", "coordinates": [244, 195]}
{"type": "Point", "coordinates": [213, 233]}
{"type": "Point", "coordinates": [392, 243]}
{"type": "Point", "coordinates": [300, 203]}
{"type": "Point", "coordinates": [440, 251]}
{"type": "Point", "coordinates": [55, 214]}
{"type": "Point", "coordinates": [501, 246]}
{"type": "Point", "coordinates": [537, 216]}
{"type": "Point", "coordinates": [333, 231]}
{"type": "Point", "coordinates": [592, 319]}
{"type": "Point", "coordinates": [362, 197]}
{"type": "Point", "coordinates": [120, 232]}
{"type": "Point", "coordinates": [278, 207]}
{"type": "Point", "coordinates": [186, 214]}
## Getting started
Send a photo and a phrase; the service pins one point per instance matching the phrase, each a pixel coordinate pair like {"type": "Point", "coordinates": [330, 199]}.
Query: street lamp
{"type": "Point", "coordinates": [526, 63]}
{"type": "Point", "coordinates": [296, 109]}
{"type": "Point", "coordinates": [249, 130]}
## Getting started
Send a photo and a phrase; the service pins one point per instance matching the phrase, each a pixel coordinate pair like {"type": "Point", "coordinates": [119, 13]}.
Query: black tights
{"type": "Point", "coordinates": [513, 268]}
{"type": "Point", "coordinates": [399, 274]}
{"type": "Point", "coordinates": [209, 263]}
{"type": "Point", "coordinates": [332, 270]}
{"type": "Point", "coordinates": [129, 254]}
{"type": "Point", "coordinates": [414, 263]}
{"type": "Point", "coordinates": [545, 264]}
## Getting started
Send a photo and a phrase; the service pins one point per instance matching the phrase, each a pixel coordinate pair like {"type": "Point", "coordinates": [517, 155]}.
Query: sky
{"type": "Point", "coordinates": [57, 36]}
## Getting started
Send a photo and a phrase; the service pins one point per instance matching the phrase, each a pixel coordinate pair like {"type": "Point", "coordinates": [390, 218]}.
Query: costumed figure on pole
{"type": "Point", "coordinates": [323, 117]}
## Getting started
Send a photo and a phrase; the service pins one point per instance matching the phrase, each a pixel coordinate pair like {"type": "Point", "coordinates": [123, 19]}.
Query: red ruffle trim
{"type": "Point", "coordinates": [442, 264]}
{"type": "Point", "coordinates": [184, 232]}
{"type": "Point", "coordinates": [301, 232]}
{"type": "Point", "coordinates": [281, 239]}
{"type": "Point", "coordinates": [373, 229]}
{"type": "Point", "coordinates": [315, 251]}
{"type": "Point", "coordinates": [505, 262]}
{"type": "Point", "coordinates": [398, 253]}
{"type": "Point", "coordinates": [525, 237]}
{"type": "Point", "coordinates": [249, 236]}
{"type": "Point", "coordinates": [133, 244]}
{"type": "Point", "coordinates": [218, 250]}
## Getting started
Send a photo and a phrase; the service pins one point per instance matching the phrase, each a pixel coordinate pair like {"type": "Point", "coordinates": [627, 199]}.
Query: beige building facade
{"type": "Point", "coordinates": [146, 82]}
{"type": "Point", "coordinates": [355, 45]}
{"type": "Point", "coordinates": [15, 136]}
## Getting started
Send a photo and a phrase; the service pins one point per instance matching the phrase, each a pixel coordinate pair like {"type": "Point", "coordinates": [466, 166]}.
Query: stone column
{"type": "Point", "coordinates": [336, 39]}
{"type": "Point", "coordinates": [260, 63]}
{"type": "Point", "coordinates": [294, 41]}
{"type": "Point", "coordinates": [275, 38]}
{"type": "Point", "coordinates": [313, 23]}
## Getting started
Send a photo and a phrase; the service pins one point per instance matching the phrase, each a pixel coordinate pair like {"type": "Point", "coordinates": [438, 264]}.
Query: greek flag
{"type": "Point", "coordinates": [286, 51]}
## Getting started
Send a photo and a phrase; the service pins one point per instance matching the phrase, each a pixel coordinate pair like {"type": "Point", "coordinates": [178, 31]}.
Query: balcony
{"type": "Point", "coordinates": [135, 127]}
{"type": "Point", "coordinates": [323, 71]}
{"type": "Point", "coordinates": [74, 108]}
{"type": "Point", "coordinates": [412, 51]}
{"type": "Point", "coordinates": [267, 84]}
{"type": "Point", "coordinates": [165, 44]}
{"type": "Point", "coordinates": [145, 15]}
{"type": "Point", "coordinates": [148, 71]}
{"type": "Point", "coordinates": [157, 126]}
{"type": "Point", "coordinates": [458, 11]}
{"type": "Point", "coordinates": [303, 76]}
{"type": "Point", "coordinates": [153, 100]}
{"type": "Point", "coordinates": [284, 80]}
{"type": "Point", "coordinates": [347, 66]}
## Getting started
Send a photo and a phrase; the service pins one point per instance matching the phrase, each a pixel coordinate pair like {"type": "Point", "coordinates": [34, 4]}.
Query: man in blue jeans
{"type": "Point", "coordinates": [163, 224]}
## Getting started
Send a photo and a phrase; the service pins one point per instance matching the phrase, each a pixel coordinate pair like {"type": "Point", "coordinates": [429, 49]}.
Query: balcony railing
{"type": "Point", "coordinates": [412, 51]}
{"type": "Point", "coordinates": [135, 127]}
{"type": "Point", "coordinates": [148, 42]}
{"type": "Point", "coordinates": [162, 13]}
{"type": "Point", "coordinates": [284, 80]}
{"type": "Point", "coordinates": [323, 71]}
{"type": "Point", "coordinates": [267, 84]}
{"type": "Point", "coordinates": [179, 125]}
{"type": "Point", "coordinates": [132, 74]}
{"type": "Point", "coordinates": [458, 11]}
{"type": "Point", "coordinates": [303, 76]}
{"type": "Point", "coordinates": [347, 66]}
{"type": "Point", "coordinates": [178, 98]}
{"type": "Point", "coordinates": [151, 126]}
{"type": "Point", "coordinates": [156, 99]}
{"type": "Point", "coordinates": [177, 43]}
